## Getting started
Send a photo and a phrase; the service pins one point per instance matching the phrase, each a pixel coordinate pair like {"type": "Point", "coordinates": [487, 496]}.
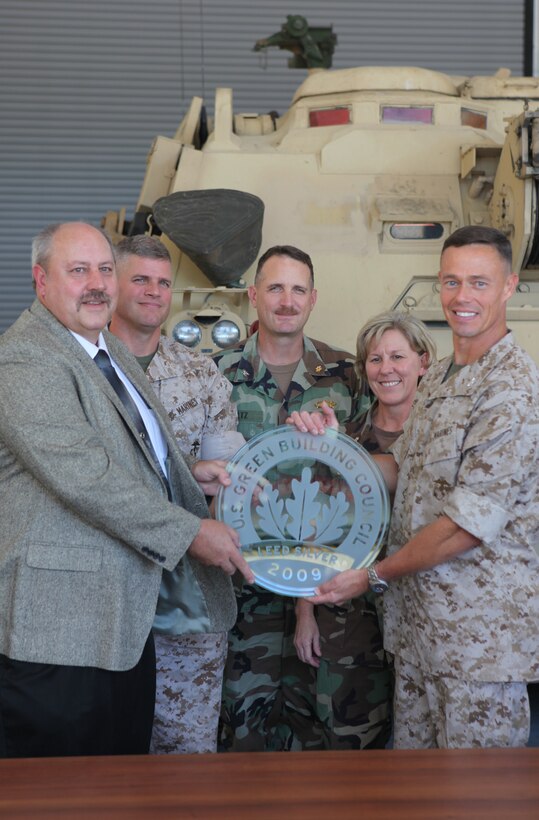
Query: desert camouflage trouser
{"type": "Point", "coordinates": [188, 692]}
{"type": "Point", "coordinates": [354, 680]}
{"type": "Point", "coordinates": [268, 693]}
{"type": "Point", "coordinates": [447, 713]}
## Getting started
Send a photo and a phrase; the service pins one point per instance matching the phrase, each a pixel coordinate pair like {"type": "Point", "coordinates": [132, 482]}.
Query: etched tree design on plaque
{"type": "Point", "coordinates": [306, 515]}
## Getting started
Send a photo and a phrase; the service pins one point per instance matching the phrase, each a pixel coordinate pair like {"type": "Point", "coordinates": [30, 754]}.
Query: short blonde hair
{"type": "Point", "coordinates": [411, 328]}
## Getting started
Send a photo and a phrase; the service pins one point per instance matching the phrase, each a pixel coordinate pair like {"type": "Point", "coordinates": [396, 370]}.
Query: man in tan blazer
{"type": "Point", "coordinates": [86, 521]}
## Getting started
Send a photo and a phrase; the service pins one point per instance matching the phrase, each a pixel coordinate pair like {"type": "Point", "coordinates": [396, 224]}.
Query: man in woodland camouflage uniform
{"type": "Point", "coordinates": [190, 660]}
{"type": "Point", "coordinates": [269, 694]}
{"type": "Point", "coordinates": [462, 607]}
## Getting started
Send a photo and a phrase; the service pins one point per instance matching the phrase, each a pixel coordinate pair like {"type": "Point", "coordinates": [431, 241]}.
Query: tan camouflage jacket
{"type": "Point", "coordinates": [323, 374]}
{"type": "Point", "coordinates": [195, 395]}
{"type": "Point", "coordinates": [470, 451]}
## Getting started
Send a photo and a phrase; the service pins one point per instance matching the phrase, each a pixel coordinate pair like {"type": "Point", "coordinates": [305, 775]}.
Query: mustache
{"type": "Point", "coordinates": [286, 312]}
{"type": "Point", "coordinates": [95, 296]}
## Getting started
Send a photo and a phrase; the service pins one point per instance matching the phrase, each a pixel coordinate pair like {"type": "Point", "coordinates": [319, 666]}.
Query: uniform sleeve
{"type": "Point", "coordinates": [222, 415]}
{"type": "Point", "coordinates": [361, 401]}
{"type": "Point", "coordinates": [357, 402]}
{"type": "Point", "coordinates": [498, 470]}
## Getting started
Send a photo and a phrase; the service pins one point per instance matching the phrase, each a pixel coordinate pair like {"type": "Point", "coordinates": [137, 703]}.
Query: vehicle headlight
{"type": "Point", "coordinates": [225, 332]}
{"type": "Point", "coordinates": [187, 332]}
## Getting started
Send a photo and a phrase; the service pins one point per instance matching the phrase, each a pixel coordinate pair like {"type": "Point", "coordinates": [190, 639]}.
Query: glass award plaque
{"type": "Point", "coordinates": [306, 507]}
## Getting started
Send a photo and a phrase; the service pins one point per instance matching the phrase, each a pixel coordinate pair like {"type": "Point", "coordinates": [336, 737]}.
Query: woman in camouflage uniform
{"type": "Point", "coordinates": [344, 642]}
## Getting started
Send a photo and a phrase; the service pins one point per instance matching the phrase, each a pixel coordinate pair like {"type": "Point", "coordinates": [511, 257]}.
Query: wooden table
{"type": "Point", "coordinates": [426, 785]}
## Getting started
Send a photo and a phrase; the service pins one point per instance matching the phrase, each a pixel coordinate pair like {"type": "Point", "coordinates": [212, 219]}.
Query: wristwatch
{"type": "Point", "coordinates": [376, 583]}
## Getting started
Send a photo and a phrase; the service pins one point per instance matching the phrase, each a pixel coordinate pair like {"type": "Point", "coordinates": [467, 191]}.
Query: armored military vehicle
{"type": "Point", "coordinates": [369, 170]}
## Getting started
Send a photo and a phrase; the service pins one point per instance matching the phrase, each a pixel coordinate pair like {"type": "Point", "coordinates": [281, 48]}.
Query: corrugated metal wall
{"type": "Point", "coordinates": [87, 85]}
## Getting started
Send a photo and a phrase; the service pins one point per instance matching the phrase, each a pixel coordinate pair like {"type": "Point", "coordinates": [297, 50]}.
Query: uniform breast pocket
{"type": "Point", "coordinates": [191, 414]}
{"type": "Point", "coordinates": [441, 458]}
{"type": "Point", "coordinates": [250, 422]}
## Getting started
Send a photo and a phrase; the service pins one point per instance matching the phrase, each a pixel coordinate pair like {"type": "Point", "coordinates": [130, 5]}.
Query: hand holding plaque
{"type": "Point", "coordinates": [305, 507]}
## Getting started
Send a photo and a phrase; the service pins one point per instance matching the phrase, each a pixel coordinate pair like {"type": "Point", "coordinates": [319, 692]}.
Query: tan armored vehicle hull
{"type": "Point", "coordinates": [368, 171]}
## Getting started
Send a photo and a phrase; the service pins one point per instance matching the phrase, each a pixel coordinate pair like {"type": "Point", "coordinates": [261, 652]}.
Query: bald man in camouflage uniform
{"type": "Point", "coordinates": [190, 660]}
{"type": "Point", "coordinates": [461, 572]}
{"type": "Point", "coordinates": [269, 694]}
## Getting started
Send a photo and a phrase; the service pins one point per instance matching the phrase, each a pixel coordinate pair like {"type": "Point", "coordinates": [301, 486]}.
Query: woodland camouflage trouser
{"type": "Point", "coordinates": [268, 693]}
{"type": "Point", "coordinates": [354, 681]}
{"type": "Point", "coordinates": [273, 701]}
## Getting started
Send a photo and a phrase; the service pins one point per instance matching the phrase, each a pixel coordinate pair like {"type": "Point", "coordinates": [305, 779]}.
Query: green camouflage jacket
{"type": "Point", "coordinates": [323, 374]}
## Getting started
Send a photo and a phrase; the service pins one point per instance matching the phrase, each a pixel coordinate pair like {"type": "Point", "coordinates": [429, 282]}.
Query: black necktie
{"type": "Point", "coordinates": [103, 362]}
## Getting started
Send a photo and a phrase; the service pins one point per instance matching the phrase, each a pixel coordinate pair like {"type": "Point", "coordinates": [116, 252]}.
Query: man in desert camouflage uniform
{"type": "Point", "coordinates": [269, 694]}
{"type": "Point", "coordinates": [190, 660]}
{"type": "Point", "coordinates": [462, 608]}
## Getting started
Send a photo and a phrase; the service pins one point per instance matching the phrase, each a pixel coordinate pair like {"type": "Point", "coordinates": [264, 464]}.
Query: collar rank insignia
{"type": "Point", "coordinates": [332, 404]}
